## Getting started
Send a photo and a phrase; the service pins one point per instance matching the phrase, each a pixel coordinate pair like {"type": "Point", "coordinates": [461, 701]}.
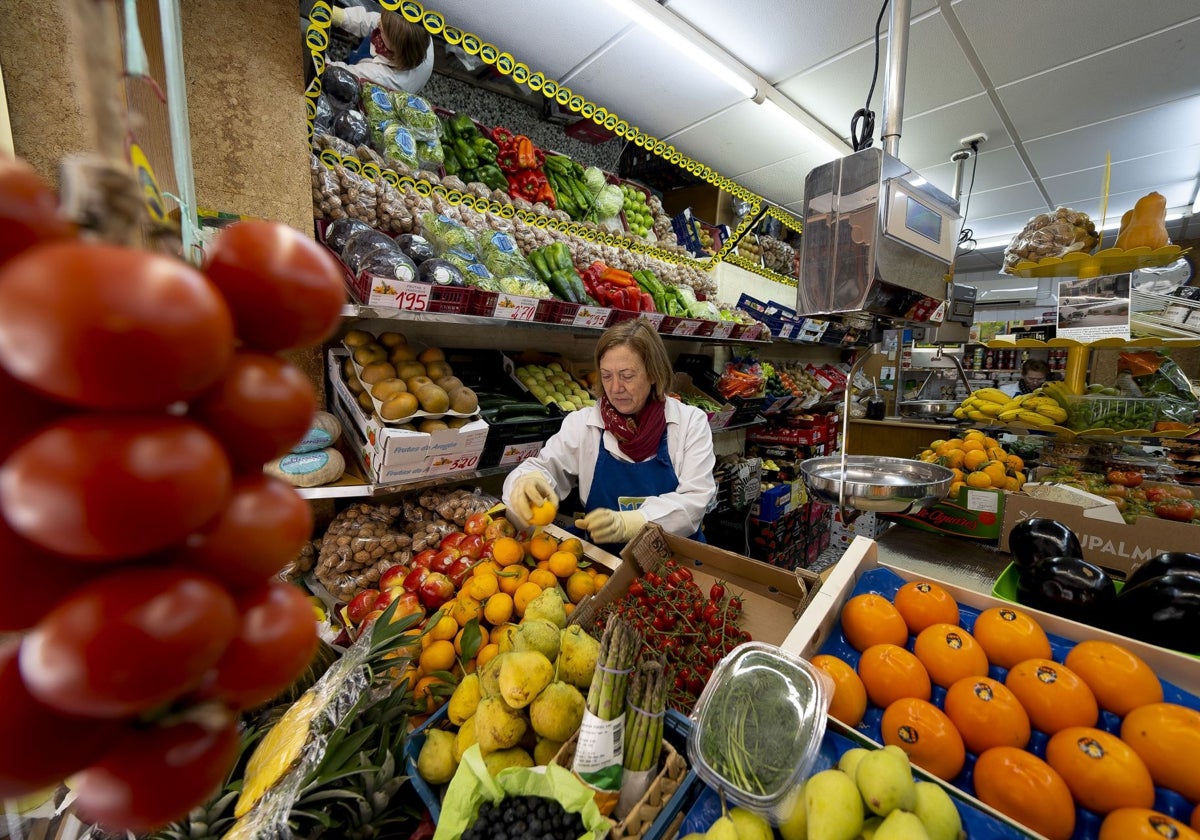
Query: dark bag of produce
{"type": "Point", "coordinates": [351, 126]}
{"type": "Point", "coordinates": [340, 85]}
{"type": "Point", "coordinates": [415, 247]}
{"type": "Point", "coordinates": [1070, 587]}
{"type": "Point", "coordinates": [323, 121]}
{"type": "Point", "coordinates": [339, 232]}
{"type": "Point", "coordinates": [391, 264]}
{"type": "Point", "coordinates": [440, 273]}
{"type": "Point", "coordinates": [362, 244]}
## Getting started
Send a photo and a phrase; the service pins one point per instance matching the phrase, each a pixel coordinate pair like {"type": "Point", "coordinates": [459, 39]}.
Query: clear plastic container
{"type": "Point", "coordinates": [758, 726]}
{"type": "Point", "coordinates": [1092, 411]}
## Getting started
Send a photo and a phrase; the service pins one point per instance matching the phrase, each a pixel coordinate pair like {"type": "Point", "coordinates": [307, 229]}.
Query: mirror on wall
{"type": "Point", "coordinates": [771, 245]}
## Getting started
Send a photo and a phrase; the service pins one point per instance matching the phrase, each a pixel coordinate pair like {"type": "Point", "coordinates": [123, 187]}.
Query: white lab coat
{"type": "Point", "coordinates": [569, 457]}
{"type": "Point", "coordinates": [1012, 388]}
{"type": "Point", "coordinates": [358, 21]}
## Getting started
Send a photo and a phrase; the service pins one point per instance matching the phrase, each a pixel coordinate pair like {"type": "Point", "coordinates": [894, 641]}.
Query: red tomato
{"type": "Point", "coordinates": [1128, 478]}
{"type": "Point", "coordinates": [285, 290]}
{"type": "Point", "coordinates": [102, 487]}
{"type": "Point", "coordinates": [135, 639]}
{"type": "Point", "coordinates": [24, 413]}
{"type": "Point", "coordinates": [260, 531]}
{"type": "Point", "coordinates": [41, 746]}
{"type": "Point", "coordinates": [111, 328]}
{"type": "Point", "coordinates": [45, 579]}
{"type": "Point", "coordinates": [158, 774]}
{"type": "Point", "coordinates": [28, 210]}
{"type": "Point", "coordinates": [261, 408]}
{"type": "Point", "coordinates": [277, 639]}
{"type": "Point", "coordinates": [1178, 510]}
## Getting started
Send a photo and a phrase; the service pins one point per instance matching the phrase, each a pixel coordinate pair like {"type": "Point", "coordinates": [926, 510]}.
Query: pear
{"type": "Point", "coordinates": [497, 727]}
{"type": "Point", "coordinates": [901, 825]}
{"type": "Point", "coordinates": [577, 656]}
{"type": "Point", "coordinates": [545, 751]}
{"type": "Point", "coordinates": [795, 827]}
{"type": "Point", "coordinates": [870, 827]}
{"type": "Point", "coordinates": [489, 677]}
{"type": "Point", "coordinates": [539, 635]}
{"type": "Point", "coordinates": [503, 637]}
{"type": "Point", "coordinates": [557, 712]}
{"type": "Point", "coordinates": [523, 675]}
{"type": "Point", "coordinates": [833, 805]}
{"type": "Point", "coordinates": [464, 699]}
{"type": "Point", "coordinates": [503, 759]}
{"type": "Point", "coordinates": [436, 762]}
{"type": "Point", "coordinates": [848, 763]}
{"type": "Point", "coordinates": [547, 607]}
{"type": "Point", "coordinates": [750, 826]}
{"type": "Point", "coordinates": [937, 813]}
{"type": "Point", "coordinates": [723, 829]}
{"type": "Point", "coordinates": [886, 782]}
{"type": "Point", "coordinates": [464, 738]}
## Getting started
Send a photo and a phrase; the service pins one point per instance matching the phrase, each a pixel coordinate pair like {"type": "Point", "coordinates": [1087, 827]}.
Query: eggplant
{"type": "Point", "coordinates": [1069, 587]}
{"type": "Point", "coordinates": [1033, 539]}
{"type": "Point", "coordinates": [1161, 564]}
{"type": "Point", "coordinates": [1163, 611]}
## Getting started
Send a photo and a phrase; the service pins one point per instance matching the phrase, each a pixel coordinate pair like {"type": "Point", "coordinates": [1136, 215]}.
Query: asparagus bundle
{"type": "Point", "coordinates": [645, 707]}
{"type": "Point", "coordinates": [610, 681]}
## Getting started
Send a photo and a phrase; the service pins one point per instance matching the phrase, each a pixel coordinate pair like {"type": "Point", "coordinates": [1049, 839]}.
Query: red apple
{"type": "Point", "coordinates": [423, 558]}
{"type": "Point", "coordinates": [451, 540]}
{"type": "Point", "coordinates": [415, 578]}
{"type": "Point", "coordinates": [385, 598]}
{"type": "Point", "coordinates": [477, 523]}
{"type": "Point", "coordinates": [472, 546]}
{"type": "Point", "coordinates": [498, 528]}
{"type": "Point", "coordinates": [361, 604]}
{"type": "Point", "coordinates": [407, 603]}
{"type": "Point", "coordinates": [460, 570]}
{"type": "Point", "coordinates": [393, 577]}
{"type": "Point", "coordinates": [444, 559]}
{"type": "Point", "coordinates": [435, 590]}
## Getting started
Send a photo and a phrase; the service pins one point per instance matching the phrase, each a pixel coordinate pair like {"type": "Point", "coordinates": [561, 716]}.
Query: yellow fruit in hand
{"type": "Point", "coordinates": [544, 513]}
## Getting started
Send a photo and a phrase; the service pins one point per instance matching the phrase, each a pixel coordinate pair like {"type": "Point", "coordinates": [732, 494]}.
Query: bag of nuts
{"type": "Point", "coordinates": [360, 544]}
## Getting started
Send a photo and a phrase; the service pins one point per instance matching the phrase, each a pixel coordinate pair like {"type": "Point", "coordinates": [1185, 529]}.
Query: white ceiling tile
{"type": "Point", "coordinates": [783, 182]}
{"type": "Point", "coordinates": [1177, 194]}
{"type": "Point", "coordinates": [1015, 38]}
{"type": "Point", "coordinates": [937, 74]}
{"type": "Point", "coordinates": [930, 138]}
{"type": "Point", "coordinates": [994, 168]}
{"type": "Point", "coordinates": [779, 38]}
{"type": "Point", "coordinates": [1127, 176]}
{"type": "Point", "coordinates": [1018, 198]}
{"type": "Point", "coordinates": [1149, 72]}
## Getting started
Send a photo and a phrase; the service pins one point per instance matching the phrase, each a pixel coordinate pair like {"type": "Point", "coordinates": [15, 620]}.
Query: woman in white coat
{"type": "Point", "coordinates": [399, 55]}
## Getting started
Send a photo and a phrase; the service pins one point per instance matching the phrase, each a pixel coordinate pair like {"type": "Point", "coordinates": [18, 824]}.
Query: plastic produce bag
{"type": "Point", "coordinates": [339, 232]}
{"type": "Point", "coordinates": [340, 85]}
{"type": "Point", "coordinates": [323, 121]}
{"type": "Point", "coordinates": [444, 233]}
{"type": "Point", "coordinates": [473, 785]}
{"type": "Point", "coordinates": [326, 191]}
{"type": "Point", "coordinates": [396, 143]}
{"type": "Point", "coordinates": [362, 244]}
{"type": "Point", "coordinates": [415, 112]}
{"type": "Point", "coordinates": [351, 126]}
{"type": "Point", "coordinates": [383, 262]}
{"type": "Point", "coordinates": [377, 103]}
{"type": "Point", "coordinates": [1052, 235]}
{"type": "Point", "coordinates": [361, 543]}
{"type": "Point", "coordinates": [502, 256]}
{"type": "Point", "coordinates": [1159, 376]}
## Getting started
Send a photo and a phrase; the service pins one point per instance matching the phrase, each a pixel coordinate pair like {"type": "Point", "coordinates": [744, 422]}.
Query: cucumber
{"type": "Point", "coordinates": [532, 409]}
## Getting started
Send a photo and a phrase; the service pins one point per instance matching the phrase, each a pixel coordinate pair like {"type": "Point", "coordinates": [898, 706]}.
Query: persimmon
{"type": "Point", "coordinates": [1102, 771]}
{"type": "Point", "coordinates": [950, 653]}
{"type": "Point", "coordinates": [1143, 824]}
{"type": "Point", "coordinates": [889, 673]}
{"type": "Point", "coordinates": [1054, 696]}
{"type": "Point", "coordinates": [849, 694]}
{"type": "Point", "coordinates": [872, 619]}
{"type": "Point", "coordinates": [986, 714]}
{"type": "Point", "coordinates": [1166, 736]}
{"type": "Point", "coordinates": [1120, 679]}
{"type": "Point", "coordinates": [924, 731]}
{"type": "Point", "coordinates": [1020, 785]}
{"type": "Point", "coordinates": [1009, 636]}
{"type": "Point", "coordinates": [922, 603]}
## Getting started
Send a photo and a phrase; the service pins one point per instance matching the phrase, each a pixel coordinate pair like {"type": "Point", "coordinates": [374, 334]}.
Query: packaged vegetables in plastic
{"type": "Point", "coordinates": [502, 257]}
{"type": "Point", "coordinates": [362, 244]}
{"type": "Point", "coordinates": [341, 86]}
{"type": "Point", "coordinates": [1156, 375]}
{"type": "Point", "coordinates": [351, 126]}
{"type": "Point", "coordinates": [1052, 235]}
{"type": "Point", "coordinates": [444, 233]}
{"type": "Point", "coordinates": [396, 143]}
{"type": "Point", "coordinates": [415, 111]}
{"type": "Point", "coordinates": [377, 103]}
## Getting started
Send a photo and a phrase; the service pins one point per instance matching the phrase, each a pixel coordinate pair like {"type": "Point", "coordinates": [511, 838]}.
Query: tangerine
{"type": "Point", "coordinates": [564, 563]}
{"type": "Point", "coordinates": [439, 656]}
{"type": "Point", "coordinates": [922, 603]}
{"type": "Point", "coordinates": [464, 608]}
{"type": "Point", "coordinates": [483, 640]}
{"type": "Point", "coordinates": [1143, 824]}
{"type": "Point", "coordinates": [507, 551]}
{"type": "Point", "coordinates": [512, 577]}
{"type": "Point", "coordinates": [525, 593]}
{"type": "Point", "coordinates": [544, 513]}
{"type": "Point", "coordinates": [498, 609]}
{"type": "Point", "coordinates": [890, 673]}
{"type": "Point", "coordinates": [544, 578]}
{"type": "Point", "coordinates": [1010, 636]}
{"type": "Point", "coordinates": [444, 628]}
{"type": "Point", "coordinates": [486, 654]}
{"type": "Point", "coordinates": [1020, 785]}
{"type": "Point", "coordinates": [1054, 696]}
{"type": "Point", "coordinates": [1166, 737]}
{"type": "Point", "coordinates": [579, 585]}
{"type": "Point", "coordinates": [1102, 771]}
{"type": "Point", "coordinates": [542, 545]}
{"type": "Point", "coordinates": [986, 714]}
{"type": "Point", "coordinates": [872, 619]}
{"type": "Point", "coordinates": [432, 691]}
{"type": "Point", "coordinates": [950, 653]}
{"type": "Point", "coordinates": [923, 731]}
{"type": "Point", "coordinates": [482, 586]}
{"type": "Point", "coordinates": [849, 694]}
{"type": "Point", "coordinates": [1120, 679]}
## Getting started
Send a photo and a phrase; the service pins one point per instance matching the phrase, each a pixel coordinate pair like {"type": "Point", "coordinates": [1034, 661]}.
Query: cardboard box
{"type": "Point", "coordinates": [681, 383]}
{"type": "Point", "coordinates": [772, 598]}
{"type": "Point", "coordinates": [1115, 546]}
{"type": "Point", "coordinates": [773, 503]}
{"type": "Point", "coordinates": [974, 513]}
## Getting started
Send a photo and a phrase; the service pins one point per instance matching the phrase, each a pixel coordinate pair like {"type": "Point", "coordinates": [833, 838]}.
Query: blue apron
{"type": "Point", "coordinates": [615, 479]}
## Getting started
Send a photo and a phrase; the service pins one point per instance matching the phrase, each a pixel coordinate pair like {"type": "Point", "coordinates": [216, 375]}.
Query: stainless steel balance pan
{"type": "Point", "coordinates": [927, 409]}
{"type": "Point", "coordinates": [886, 485]}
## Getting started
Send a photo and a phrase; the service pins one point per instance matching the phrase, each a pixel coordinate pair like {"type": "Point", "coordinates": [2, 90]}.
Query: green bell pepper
{"type": "Point", "coordinates": [463, 127]}
{"type": "Point", "coordinates": [465, 154]}
{"type": "Point", "coordinates": [485, 149]}
{"type": "Point", "coordinates": [451, 163]}
{"type": "Point", "coordinates": [491, 175]}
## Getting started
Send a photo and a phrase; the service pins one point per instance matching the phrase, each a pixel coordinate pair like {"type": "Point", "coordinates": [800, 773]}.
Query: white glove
{"type": "Point", "coordinates": [527, 492]}
{"type": "Point", "coordinates": [611, 526]}
{"type": "Point", "coordinates": [337, 16]}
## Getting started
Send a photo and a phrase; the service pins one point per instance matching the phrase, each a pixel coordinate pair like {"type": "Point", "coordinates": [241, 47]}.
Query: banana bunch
{"type": "Point", "coordinates": [1037, 408]}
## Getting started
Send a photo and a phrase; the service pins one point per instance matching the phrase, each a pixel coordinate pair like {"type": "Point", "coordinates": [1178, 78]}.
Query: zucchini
{"type": "Point", "coordinates": [524, 408]}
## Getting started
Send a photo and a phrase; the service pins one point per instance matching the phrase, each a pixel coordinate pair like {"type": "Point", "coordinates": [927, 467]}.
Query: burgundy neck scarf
{"type": "Point", "coordinates": [377, 44]}
{"type": "Point", "coordinates": [639, 434]}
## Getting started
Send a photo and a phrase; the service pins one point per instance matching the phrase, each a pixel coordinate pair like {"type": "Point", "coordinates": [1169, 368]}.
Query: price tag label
{"type": "Point", "coordinates": [515, 307]}
{"type": "Point", "coordinates": [786, 330]}
{"type": "Point", "coordinates": [518, 452]}
{"type": "Point", "coordinates": [723, 329]}
{"type": "Point", "coordinates": [591, 316]}
{"type": "Point", "coordinates": [454, 463]}
{"type": "Point", "coordinates": [686, 327]}
{"type": "Point", "coordinates": [413, 296]}
{"type": "Point", "coordinates": [655, 318]}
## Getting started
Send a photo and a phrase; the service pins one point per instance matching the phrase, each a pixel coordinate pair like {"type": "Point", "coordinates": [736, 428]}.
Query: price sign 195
{"type": "Point", "coordinates": [589, 316]}
{"type": "Point", "coordinates": [413, 296]}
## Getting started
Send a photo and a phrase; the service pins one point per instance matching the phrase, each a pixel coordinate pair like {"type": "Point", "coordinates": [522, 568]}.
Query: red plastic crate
{"type": "Point", "coordinates": [552, 311]}
{"type": "Point", "coordinates": [454, 300]}
{"type": "Point", "coordinates": [668, 325]}
{"type": "Point", "coordinates": [619, 315]}
{"type": "Point", "coordinates": [483, 303]}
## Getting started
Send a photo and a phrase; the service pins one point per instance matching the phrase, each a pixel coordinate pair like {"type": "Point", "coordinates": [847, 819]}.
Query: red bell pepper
{"type": "Point", "coordinates": [647, 302]}
{"type": "Point", "coordinates": [618, 277]}
{"type": "Point", "coordinates": [502, 135]}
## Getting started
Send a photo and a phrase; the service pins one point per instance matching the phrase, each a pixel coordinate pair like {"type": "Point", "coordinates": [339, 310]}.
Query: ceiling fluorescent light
{"type": "Point", "coordinates": [813, 138]}
{"type": "Point", "coordinates": [677, 33]}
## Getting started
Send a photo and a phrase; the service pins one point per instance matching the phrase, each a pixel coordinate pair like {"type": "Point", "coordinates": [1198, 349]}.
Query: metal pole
{"type": "Point", "coordinates": [893, 82]}
{"type": "Point", "coordinates": [959, 160]}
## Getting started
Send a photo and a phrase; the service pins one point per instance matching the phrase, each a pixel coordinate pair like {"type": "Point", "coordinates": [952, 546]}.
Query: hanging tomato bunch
{"type": "Point", "coordinates": [142, 397]}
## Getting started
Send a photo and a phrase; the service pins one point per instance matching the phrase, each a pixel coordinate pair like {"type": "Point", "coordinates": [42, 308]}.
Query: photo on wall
{"type": "Point", "coordinates": [1094, 307]}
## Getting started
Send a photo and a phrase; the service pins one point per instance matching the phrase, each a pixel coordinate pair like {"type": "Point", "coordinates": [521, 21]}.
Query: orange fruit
{"type": "Point", "coordinates": [439, 656]}
{"type": "Point", "coordinates": [1166, 737]}
{"type": "Point", "coordinates": [922, 603]}
{"type": "Point", "coordinates": [950, 653]}
{"type": "Point", "coordinates": [974, 459]}
{"type": "Point", "coordinates": [444, 628]}
{"type": "Point", "coordinates": [889, 673]}
{"type": "Point", "coordinates": [1010, 636]}
{"type": "Point", "coordinates": [486, 567]}
{"type": "Point", "coordinates": [464, 608]}
{"type": "Point", "coordinates": [979, 480]}
{"type": "Point", "coordinates": [525, 593]}
{"type": "Point", "coordinates": [544, 578]}
{"type": "Point", "coordinates": [498, 609]}
{"type": "Point", "coordinates": [1020, 785]}
{"type": "Point", "coordinates": [599, 578]}
{"type": "Point", "coordinates": [923, 731]}
{"type": "Point", "coordinates": [573, 545]}
{"type": "Point", "coordinates": [506, 551]}
{"type": "Point", "coordinates": [986, 714]}
{"type": "Point", "coordinates": [512, 577]}
{"type": "Point", "coordinates": [849, 694]}
{"type": "Point", "coordinates": [482, 587]}
{"type": "Point", "coordinates": [431, 691]}
{"type": "Point", "coordinates": [580, 585]}
{"type": "Point", "coordinates": [1054, 696]}
{"type": "Point", "coordinates": [1143, 824]}
{"type": "Point", "coordinates": [1119, 678]}
{"type": "Point", "coordinates": [563, 563]}
{"type": "Point", "coordinates": [486, 654]}
{"type": "Point", "coordinates": [872, 620]}
{"type": "Point", "coordinates": [1102, 771]}
{"type": "Point", "coordinates": [544, 513]}
{"type": "Point", "coordinates": [542, 545]}
{"type": "Point", "coordinates": [973, 445]}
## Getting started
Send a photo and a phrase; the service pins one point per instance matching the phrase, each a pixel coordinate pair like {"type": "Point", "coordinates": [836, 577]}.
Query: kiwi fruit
{"type": "Point", "coordinates": [385, 388]}
{"type": "Point", "coordinates": [365, 403]}
{"type": "Point", "coordinates": [414, 383]}
{"type": "Point", "coordinates": [402, 353]}
{"type": "Point", "coordinates": [438, 370]}
{"type": "Point", "coordinates": [376, 372]}
{"type": "Point", "coordinates": [463, 401]}
{"type": "Point", "coordinates": [432, 398]}
{"type": "Point", "coordinates": [407, 370]}
{"type": "Point", "coordinates": [369, 354]}
{"type": "Point", "coordinates": [431, 424]}
{"type": "Point", "coordinates": [355, 384]}
{"type": "Point", "coordinates": [448, 383]}
{"type": "Point", "coordinates": [398, 406]}
{"type": "Point", "coordinates": [392, 340]}
{"type": "Point", "coordinates": [357, 338]}
{"type": "Point", "coordinates": [431, 354]}
{"type": "Point", "coordinates": [457, 422]}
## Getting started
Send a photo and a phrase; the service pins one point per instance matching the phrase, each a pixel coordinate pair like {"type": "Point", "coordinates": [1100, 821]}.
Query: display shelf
{"type": "Point", "coordinates": [1008, 344]}
{"type": "Point", "coordinates": [354, 486]}
{"type": "Point", "coordinates": [1108, 261]}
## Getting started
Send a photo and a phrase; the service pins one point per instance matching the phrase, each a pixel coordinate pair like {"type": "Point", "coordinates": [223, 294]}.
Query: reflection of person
{"type": "Point", "coordinates": [1033, 373]}
{"type": "Point", "coordinates": [397, 55]}
{"type": "Point", "coordinates": [636, 443]}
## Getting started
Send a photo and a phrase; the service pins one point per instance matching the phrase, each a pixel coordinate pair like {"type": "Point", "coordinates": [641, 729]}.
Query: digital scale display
{"type": "Point", "coordinates": [921, 220]}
